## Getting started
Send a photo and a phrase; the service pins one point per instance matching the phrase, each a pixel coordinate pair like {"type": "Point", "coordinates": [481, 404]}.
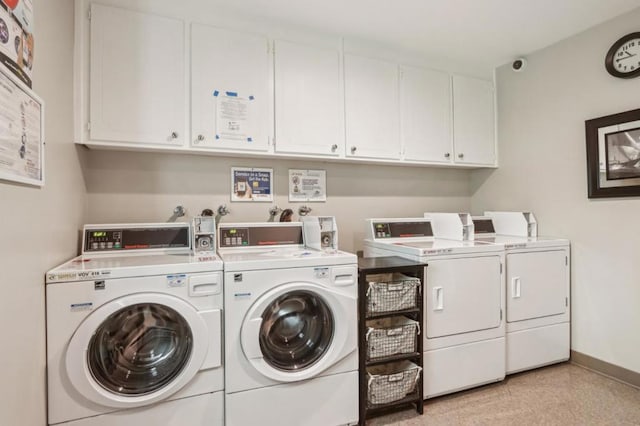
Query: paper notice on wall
{"type": "Point", "coordinates": [233, 117]}
{"type": "Point", "coordinates": [307, 185]}
{"type": "Point", "coordinates": [21, 133]}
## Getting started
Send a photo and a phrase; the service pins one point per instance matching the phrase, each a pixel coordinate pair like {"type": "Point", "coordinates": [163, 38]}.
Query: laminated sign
{"type": "Point", "coordinates": [307, 185]}
{"type": "Point", "coordinates": [250, 184]}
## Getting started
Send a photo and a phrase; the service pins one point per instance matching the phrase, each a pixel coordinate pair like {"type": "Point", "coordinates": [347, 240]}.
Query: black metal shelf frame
{"type": "Point", "coordinates": [369, 266]}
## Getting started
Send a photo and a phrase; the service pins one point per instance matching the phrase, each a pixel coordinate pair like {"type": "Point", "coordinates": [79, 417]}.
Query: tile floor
{"type": "Point", "coordinates": [563, 394]}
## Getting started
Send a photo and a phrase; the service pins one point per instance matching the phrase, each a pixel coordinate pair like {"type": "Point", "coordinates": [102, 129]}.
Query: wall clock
{"type": "Point", "coordinates": [623, 59]}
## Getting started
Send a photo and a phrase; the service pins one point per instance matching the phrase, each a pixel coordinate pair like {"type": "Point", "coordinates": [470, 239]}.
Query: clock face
{"type": "Point", "coordinates": [623, 59]}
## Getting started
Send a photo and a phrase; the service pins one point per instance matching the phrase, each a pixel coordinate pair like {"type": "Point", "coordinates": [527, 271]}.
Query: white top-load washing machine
{"type": "Point", "coordinates": [464, 329]}
{"type": "Point", "coordinates": [538, 289]}
{"type": "Point", "coordinates": [134, 329]}
{"type": "Point", "coordinates": [290, 328]}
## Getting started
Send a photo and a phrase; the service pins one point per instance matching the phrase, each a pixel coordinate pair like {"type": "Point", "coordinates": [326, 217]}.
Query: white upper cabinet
{"type": "Point", "coordinates": [137, 78]}
{"type": "Point", "coordinates": [147, 81]}
{"type": "Point", "coordinates": [230, 89]}
{"type": "Point", "coordinates": [309, 101]}
{"type": "Point", "coordinates": [425, 115]}
{"type": "Point", "coordinates": [473, 121]}
{"type": "Point", "coordinates": [372, 110]}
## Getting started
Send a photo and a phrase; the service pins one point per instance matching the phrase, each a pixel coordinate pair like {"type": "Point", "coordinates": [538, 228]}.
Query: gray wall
{"type": "Point", "coordinates": [39, 226]}
{"type": "Point", "coordinates": [543, 169]}
{"type": "Point", "coordinates": [126, 186]}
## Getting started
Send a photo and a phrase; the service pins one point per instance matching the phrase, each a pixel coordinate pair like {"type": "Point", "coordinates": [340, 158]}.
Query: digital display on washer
{"type": "Point", "coordinates": [402, 229]}
{"type": "Point", "coordinates": [260, 236]}
{"type": "Point", "coordinates": [97, 240]}
{"type": "Point", "coordinates": [483, 226]}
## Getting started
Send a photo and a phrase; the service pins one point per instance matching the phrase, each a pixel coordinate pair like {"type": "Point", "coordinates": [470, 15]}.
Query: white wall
{"type": "Point", "coordinates": [542, 149]}
{"type": "Point", "coordinates": [126, 186]}
{"type": "Point", "coordinates": [39, 226]}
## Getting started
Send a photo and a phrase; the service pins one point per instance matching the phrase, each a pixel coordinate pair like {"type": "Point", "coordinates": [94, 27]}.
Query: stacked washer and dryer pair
{"type": "Point", "coordinates": [135, 329]}
{"type": "Point", "coordinates": [476, 328]}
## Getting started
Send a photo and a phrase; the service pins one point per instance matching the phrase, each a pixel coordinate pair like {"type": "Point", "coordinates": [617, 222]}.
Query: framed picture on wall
{"type": "Point", "coordinates": [613, 155]}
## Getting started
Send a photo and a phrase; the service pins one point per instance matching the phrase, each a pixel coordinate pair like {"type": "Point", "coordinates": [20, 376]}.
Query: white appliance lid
{"type": "Point", "coordinates": [243, 259]}
{"type": "Point", "coordinates": [431, 247]}
{"type": "Point", "coordinates": [515, 242]}
{"type": "Point", "coordinates": [92, 267]}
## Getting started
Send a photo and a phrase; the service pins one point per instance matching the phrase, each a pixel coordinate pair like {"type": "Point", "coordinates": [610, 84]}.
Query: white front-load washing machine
{"type": "Point", "coordinates": [291, 350]}
{"type": "Point", "coordinates": [464, 302]}
{"type": "Point", "coordinates": [538, 289]}
{"type": "Point", "coordinates": [134, 330]}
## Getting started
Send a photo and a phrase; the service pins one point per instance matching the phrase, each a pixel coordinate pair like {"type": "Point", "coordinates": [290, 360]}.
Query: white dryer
{"type": "Point", "coordinates": [134, 330]}
{"type": "Point", "coordinates": [464, 302]}
{"type": "Point", "coordinates": [290, 328]}
{"type": "Point", "coordinates": [538, 289]}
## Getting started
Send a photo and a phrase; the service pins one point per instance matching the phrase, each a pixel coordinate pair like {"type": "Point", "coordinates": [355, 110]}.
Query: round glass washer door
{"type": "Point", "coordinates": [297, 330]}
{"type": "Point", "coordinates": [136, 350]}
{"type": "Point", "coordinates": [139, 349]}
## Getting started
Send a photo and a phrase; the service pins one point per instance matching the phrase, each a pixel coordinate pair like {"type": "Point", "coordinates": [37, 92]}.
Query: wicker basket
{"type": "Point", "coordinates": [392, 292]}
{"type": "Point", "coordinates": [391, 382]}
{"type": "Point", "coordinates": [391, 336]}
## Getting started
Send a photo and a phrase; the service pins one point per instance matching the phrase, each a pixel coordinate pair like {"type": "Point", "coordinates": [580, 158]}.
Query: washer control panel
{"type": "Point", "coordinates": [260, 234]}
{"type": "Point", "coordinates": [103, 240]}
{"type": "Point", "coordinates": [136, 237]}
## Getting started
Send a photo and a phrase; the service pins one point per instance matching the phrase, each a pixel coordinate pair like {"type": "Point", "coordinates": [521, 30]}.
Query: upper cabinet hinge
{"type": "Point", "coordinates": [566, 260]}
{"type": "Point", "coordinates": [500, 314]}
{"type": "Point", "coordinates": [500, 267]}
{"type": "Point", "coordinates": [89, 126]}
{"type": "Point", "coordinates": [89, 15]}
{"type": "Point", "coordinates": [566, 301]}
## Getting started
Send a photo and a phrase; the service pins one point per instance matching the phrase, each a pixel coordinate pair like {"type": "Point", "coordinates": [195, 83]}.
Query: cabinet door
{"type": "Point", "coordinates": [372, 115]}
{"type": "Point", "coordinates": [229, 89]}
{"type": "Point", "coordinates": [425, 115]}
{"type": "Point", "coordinates": [473, 121]}
{"type": "Point", "coordinates": [137, 78]}
{"type": "Point", "coordinates": [309, 101]}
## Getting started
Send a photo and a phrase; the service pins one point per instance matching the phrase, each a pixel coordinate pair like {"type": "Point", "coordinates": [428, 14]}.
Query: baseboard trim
{"type": "Point", "coordinates": [606, 369]}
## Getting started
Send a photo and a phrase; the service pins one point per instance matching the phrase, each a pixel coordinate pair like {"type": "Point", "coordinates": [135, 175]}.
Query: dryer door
{"type": "Point", "coordinates": [137, 350]}
{"type": "Point", "coordinates": [537, 284]}
{"type": "Point", "coordinates": [297, 330]}
{"type": "Point", "coordinates": [462, 295]}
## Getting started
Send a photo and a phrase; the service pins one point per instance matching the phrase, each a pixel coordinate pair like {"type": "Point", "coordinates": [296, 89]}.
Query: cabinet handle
{"type": "Point", "coordinates": [174, 135]}
{"type": "Point", "coordinates": [461, 155]}
{"type": "Point", "coordinates": [447, 155]}
{"type": "Point", "coordinates": [334, 147]}
{"type": "Point", "coordinates": [353, 149]}
{"type": "Point", "coordinates": [200, 138]}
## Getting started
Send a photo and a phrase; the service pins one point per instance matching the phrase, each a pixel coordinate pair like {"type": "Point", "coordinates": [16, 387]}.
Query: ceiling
{"type": "Point", "coordinates": [481, 34]}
